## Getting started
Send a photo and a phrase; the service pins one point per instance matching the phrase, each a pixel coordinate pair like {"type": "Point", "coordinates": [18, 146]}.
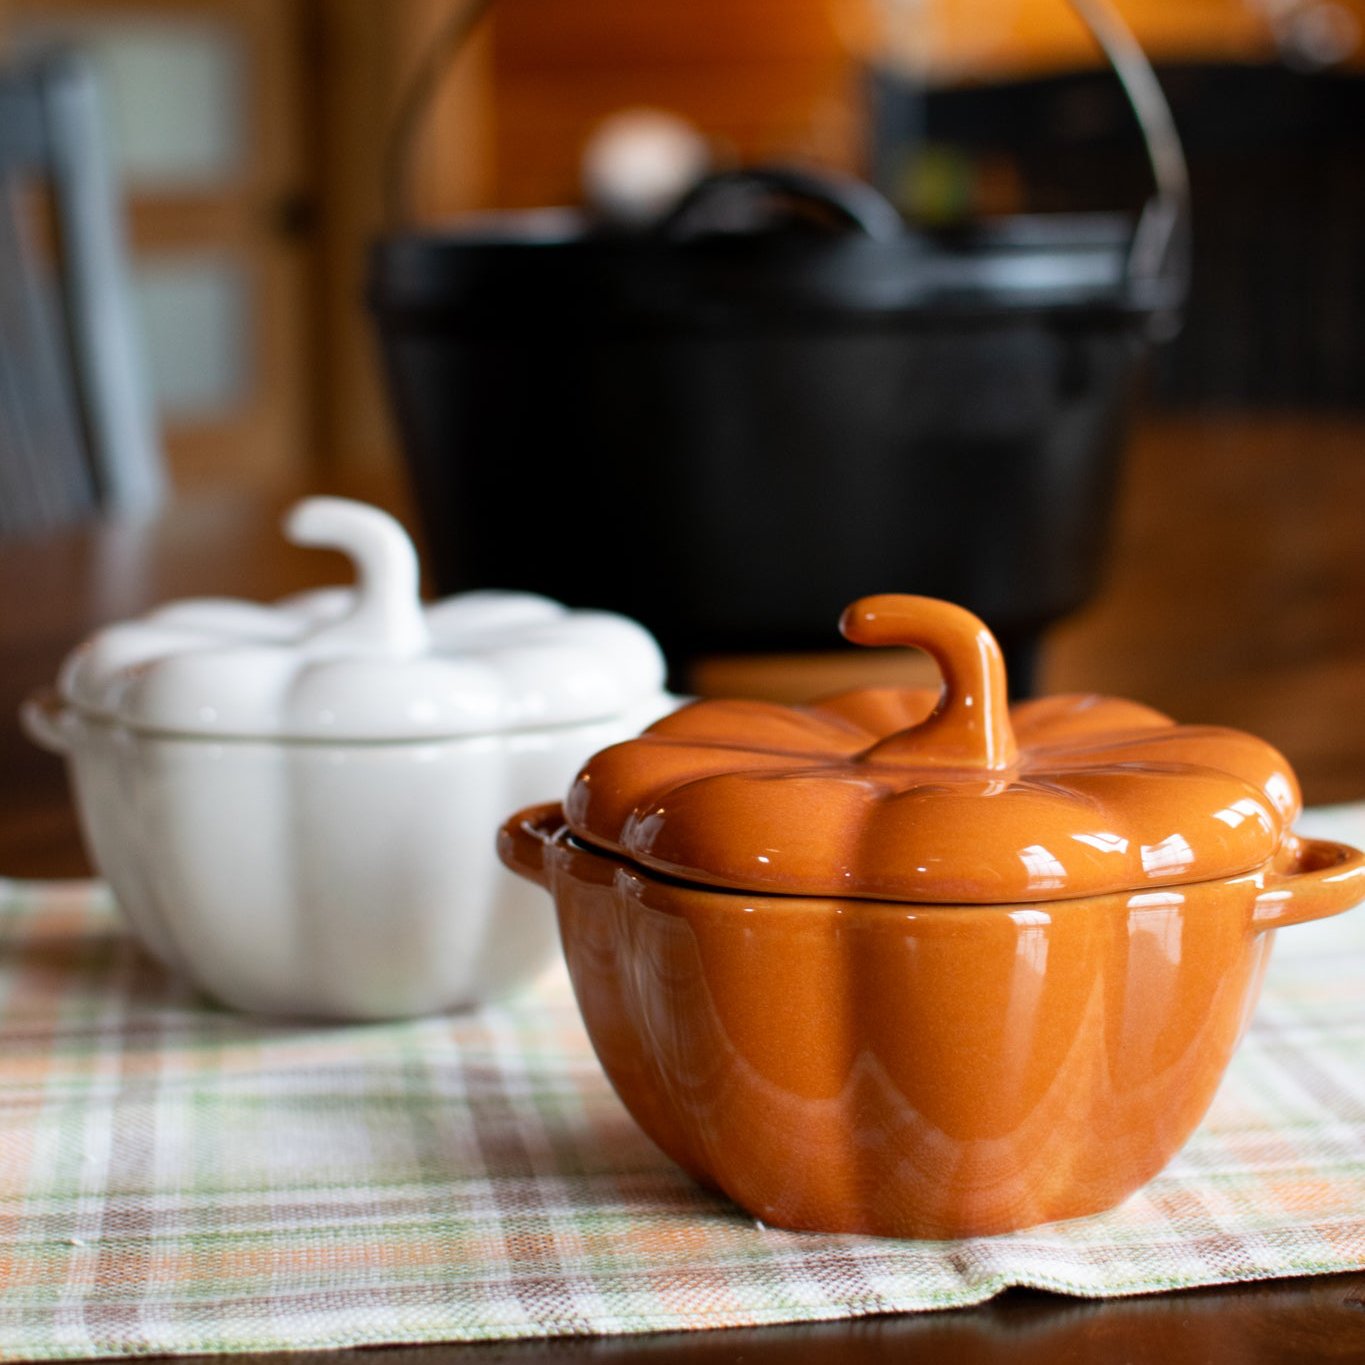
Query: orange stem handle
{"type": "Point", "coordinates": [970, 727]}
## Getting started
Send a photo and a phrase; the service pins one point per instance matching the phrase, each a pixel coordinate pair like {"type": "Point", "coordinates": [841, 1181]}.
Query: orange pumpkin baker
{"type": "Point", "coordinates": [925, 965]}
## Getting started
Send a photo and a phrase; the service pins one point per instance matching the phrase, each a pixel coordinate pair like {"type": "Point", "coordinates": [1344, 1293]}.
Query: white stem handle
{"type": "Point", "coordinates": [387, 617]}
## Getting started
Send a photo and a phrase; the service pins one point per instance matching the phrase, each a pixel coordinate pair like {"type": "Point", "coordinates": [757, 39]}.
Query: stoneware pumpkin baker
{"type": "Point", "coordinates": [922, 964]}
{"type": "Point", "coordinates": [295, 802]}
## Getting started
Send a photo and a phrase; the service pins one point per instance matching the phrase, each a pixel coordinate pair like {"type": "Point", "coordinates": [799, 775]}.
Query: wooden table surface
{"type": "Point", "coordinates": [1235, 595]}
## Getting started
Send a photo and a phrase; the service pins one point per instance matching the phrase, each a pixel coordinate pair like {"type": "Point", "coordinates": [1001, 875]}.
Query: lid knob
{"type": "Point", "coordinates": [387, 615]}
{"type": "Point", "coordinates": [970, 726]}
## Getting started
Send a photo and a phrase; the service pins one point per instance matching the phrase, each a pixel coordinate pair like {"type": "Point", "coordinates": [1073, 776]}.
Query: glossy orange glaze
{"type": "Point", "coordinates": [950, 797]}
{"type": "Point", "coordinates": [918, 1070]}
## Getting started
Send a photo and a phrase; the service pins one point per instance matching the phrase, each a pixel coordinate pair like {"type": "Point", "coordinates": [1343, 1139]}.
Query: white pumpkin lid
{"type": "Point", "coordinates": [363, 663]}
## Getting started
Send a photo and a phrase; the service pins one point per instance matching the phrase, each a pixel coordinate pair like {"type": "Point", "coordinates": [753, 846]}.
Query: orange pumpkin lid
{"type": "Point", "coordinates": [902, 794]}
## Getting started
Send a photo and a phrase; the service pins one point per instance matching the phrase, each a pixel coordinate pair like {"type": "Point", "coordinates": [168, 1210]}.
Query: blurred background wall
{"type": "Point", "coordinates": [250, 136]}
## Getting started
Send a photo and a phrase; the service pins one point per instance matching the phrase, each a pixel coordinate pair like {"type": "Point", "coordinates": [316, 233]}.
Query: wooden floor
{"type": "Point", "coordinates": [1235, 595]}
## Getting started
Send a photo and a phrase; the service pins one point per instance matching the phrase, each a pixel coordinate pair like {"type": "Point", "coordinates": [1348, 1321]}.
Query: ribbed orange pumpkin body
{"type": "Point", "coordinates": [918, 965]}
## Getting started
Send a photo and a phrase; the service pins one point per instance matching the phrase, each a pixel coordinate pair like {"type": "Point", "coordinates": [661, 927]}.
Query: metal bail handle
{"type": "Point", "coordinates": [970, 726]}
{"type": "Point", "coordinates": [1106, 26]}
{"type": "Point", "coordinates": [1160, 254]}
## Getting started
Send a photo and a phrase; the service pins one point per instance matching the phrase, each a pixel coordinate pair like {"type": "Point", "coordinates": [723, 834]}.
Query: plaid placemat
{"type": "Point", "coordinates": [174, 1178]}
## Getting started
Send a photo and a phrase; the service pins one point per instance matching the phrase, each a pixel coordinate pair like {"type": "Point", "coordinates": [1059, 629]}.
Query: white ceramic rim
{"type": "Point", "coordinates": [51, 706]}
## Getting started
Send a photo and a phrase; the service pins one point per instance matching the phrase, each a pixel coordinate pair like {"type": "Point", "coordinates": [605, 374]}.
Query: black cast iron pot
{"type": "Point", "coordinates": [729, 436]}
{"type": "Point", "coordinates": [779, 399]}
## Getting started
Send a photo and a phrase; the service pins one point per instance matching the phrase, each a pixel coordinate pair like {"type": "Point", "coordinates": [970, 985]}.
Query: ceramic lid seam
{"type": "Point", "coordinates": [322, 741]}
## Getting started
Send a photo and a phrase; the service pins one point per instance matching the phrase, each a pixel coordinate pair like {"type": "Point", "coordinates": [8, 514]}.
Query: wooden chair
{"type": "Point", "coordinates": [77, 435]}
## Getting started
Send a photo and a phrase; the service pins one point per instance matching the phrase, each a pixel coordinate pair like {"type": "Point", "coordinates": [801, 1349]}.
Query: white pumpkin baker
{"type": "Point", "coordinates": [296, 804]}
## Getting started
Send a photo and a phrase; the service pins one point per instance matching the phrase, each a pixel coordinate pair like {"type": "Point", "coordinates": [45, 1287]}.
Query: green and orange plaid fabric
{"type": "Point", "coordinates": [174, 1178]}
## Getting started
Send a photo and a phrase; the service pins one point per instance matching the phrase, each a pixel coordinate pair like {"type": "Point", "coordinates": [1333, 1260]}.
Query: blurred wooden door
{"type": "Point", "coordinates": [209, 124]}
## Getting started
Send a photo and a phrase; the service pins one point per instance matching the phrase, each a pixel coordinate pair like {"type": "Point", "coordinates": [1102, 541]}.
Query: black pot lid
{"type": "Point", "coordinates": [771, 243]}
